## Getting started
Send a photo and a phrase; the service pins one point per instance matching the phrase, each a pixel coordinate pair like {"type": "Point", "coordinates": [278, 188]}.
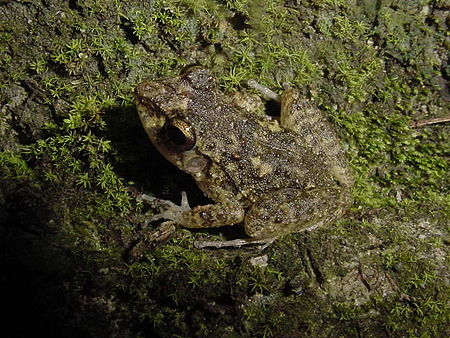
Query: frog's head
{"type": "Point", "coordinates": [165, 109]}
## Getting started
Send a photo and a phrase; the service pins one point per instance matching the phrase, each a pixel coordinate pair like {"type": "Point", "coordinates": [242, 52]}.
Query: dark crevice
{"type": "Point", "coordinates": [238, 22]}
{"type": "Point", "coordinates": [57, 68]}
{"type": "Point", "coordinates": [101, 66]}
{"type": "Point", "coordinates": [314, 266]}
{"type": "Point", "coordinates": [127, 27]}
{"type": "Point", "coordinates": [73, 4]}
{"type": "Point", "coordinates": [273, 108]}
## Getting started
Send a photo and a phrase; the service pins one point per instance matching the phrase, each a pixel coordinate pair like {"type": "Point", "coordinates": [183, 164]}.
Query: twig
{"type": "Point", "coordinates": [421, 123]}
{"type": "Point", "coordinates": [235, 243]}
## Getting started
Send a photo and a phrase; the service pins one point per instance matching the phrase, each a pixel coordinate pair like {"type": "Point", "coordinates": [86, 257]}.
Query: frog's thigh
{"type": "Point", "coordinates": [213, 215]}
{"type": "Point", "coordinates": [298, 113]}
{"type": "Point", "coordinates": [291, 210]}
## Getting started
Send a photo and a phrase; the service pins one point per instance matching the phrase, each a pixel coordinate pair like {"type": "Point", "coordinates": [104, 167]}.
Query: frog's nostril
{"type": "Point", "coordinates": [149, 90]}
{"type": "Point", "coordinates": [142, 89]}
{"type": "Point", "coordinates": [137, 91]}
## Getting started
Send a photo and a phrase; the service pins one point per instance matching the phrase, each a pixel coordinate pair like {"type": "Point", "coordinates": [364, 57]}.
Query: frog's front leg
{"type": "Point", "coordinates": [226, 212]}
{"type": "Point", "coordinates": [290, 210]}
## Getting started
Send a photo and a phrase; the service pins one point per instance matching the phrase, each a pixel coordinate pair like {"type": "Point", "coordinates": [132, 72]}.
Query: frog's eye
{"type": "Point", "coordinates": [178, 135]}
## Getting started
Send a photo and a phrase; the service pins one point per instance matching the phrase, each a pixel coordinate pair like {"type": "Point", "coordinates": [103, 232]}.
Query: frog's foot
{"type": "Point", "coordinates": [235, 243]}
{"type": "Point", "coordinates": [168, 209]}
{"type": "Point", "coordinates": [149, 240]}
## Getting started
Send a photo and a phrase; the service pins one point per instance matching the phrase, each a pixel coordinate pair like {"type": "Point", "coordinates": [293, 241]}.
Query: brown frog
{"type": "Point", "coordinates": [274, 177]}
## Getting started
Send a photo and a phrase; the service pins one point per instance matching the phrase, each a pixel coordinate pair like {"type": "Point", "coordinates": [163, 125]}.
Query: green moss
{"type": "Point", "coordinates": [14, 167]}
{"type": "Point", "coordinates": [75, 153]}
{"type": "Point", "coordinates": [422, 311]}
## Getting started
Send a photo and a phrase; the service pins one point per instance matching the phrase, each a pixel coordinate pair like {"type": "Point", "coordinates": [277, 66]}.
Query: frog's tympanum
{"type": "Point", "coordinates": [274, 177]}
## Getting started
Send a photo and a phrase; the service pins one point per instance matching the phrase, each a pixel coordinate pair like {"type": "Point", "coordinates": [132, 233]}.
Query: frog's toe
{"type": "Point", "coordinates": [155, 202]}
{"type": "Point", "coordinates": [169, 210]}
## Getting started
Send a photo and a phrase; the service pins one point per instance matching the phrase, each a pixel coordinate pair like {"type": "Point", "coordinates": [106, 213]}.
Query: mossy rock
{"type": "Point", "coordinates": [74, 157]}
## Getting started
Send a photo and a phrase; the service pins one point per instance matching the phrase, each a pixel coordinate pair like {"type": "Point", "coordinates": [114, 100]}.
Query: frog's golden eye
{"type": "Point", "coordinates": [178, 135]}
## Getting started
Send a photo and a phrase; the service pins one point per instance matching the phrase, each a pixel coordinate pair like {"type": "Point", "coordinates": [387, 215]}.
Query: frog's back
{"type": "Point", "coordinates": [258, 159]}
{"type": "Point", "coordinates": [257, 155]}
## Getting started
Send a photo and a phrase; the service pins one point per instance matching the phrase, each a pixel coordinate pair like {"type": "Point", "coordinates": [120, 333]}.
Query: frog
{"type": "Point", "coordinates": [273, 176]}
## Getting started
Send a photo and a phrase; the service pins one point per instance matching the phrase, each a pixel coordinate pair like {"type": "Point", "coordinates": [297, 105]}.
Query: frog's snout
{"type": "Point", "coordinates": [150, 93]}
{"type": "Point", "coordinates": [145, 90]}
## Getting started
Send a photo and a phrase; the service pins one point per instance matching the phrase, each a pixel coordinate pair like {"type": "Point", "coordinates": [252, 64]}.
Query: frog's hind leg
{"type": "Point", "coordinates": [301, 115]}
{"type": "Point", "coordinates": [291, 210]}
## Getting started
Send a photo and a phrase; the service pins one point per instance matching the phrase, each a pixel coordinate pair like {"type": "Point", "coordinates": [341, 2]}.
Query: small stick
{"type": "Point", "coordinates": [421, 123]}
{"type": "Point", "coordinates": [266, 93]}
{"type": "Point", "coordinates": [235, 243]}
